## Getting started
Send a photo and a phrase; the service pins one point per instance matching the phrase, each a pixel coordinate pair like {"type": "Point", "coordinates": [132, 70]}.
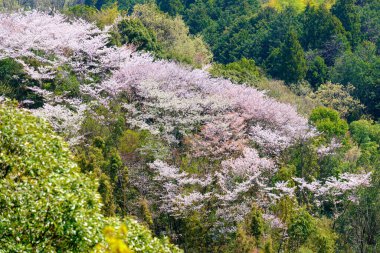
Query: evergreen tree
{"type": "Point", "coordinates": [348, 14]}
{"type": "Point", "coordinates": [317, 72]}
{"type": "Point", "coordinates": [132, 31]}
{"type": "Point", "coordinates": [173, 7]}
{"type": "Point", "coordinates": [288, 62]}
{"type": "Point", "coordinates": [361, 69]}
{"type": "Point", "coordinates": [324, 32]}
{"type": "Point", "coordinates": [197, 17]}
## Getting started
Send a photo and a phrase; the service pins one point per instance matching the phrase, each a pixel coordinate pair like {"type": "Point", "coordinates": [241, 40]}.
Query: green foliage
{"type": "Point", "coordinates": [85, 12]}
{"type": "Point", "coordinates": [347, 12]}
{"type": "Point", "coordinates": [172, 7]}
{"type": "Point", "coordinates": [301, 228]}
{"type": "Point", "coordinates": [107, 15]}
{"type": "Point", "coordinates": [14, 82]}
{"type": "Point", "coordinates": [103, 16]}
{"type": "Point", "coordinates": [317, 71]}
{"type": "Point", "coordinates": [132, 31]}
{"type": "Point", "coordinates": [140, 240]}
{"type": "Point", "coordinates": [129, 236]}
{"type": "Point", "coordinates": [130, 141]}
{"type": "Point", "coordinates": [299, 5]}
{"type": "Point", "coordinates": [323, 31]}
{"type": "Point", "coordinates": [302, 161]}
{"type": "Point", "coordinates": [64, 83]}
{"type": "Point", "coordinates": [173, 36]}
{"type": "Point", "coordinates": [102, 4]}
{"type": "Point", "coordinates": [195, 234]}
{"type": "Point", "coordinates": [370, 21]}
{"type": "Point", "coordinates": [324, 239]}
{"type": "Point", "coordinates": [112, 174]}
{"type": "Point", "coordinates": [268, 247]}
{"type": "Point", "coordinates": [337, 97]}
{"type": "Point", "coordinates": [146, 213]}
{"type": "Point", "coordinates": [127, 5]}
{"type": "Point", "coordinates": [101, 156]}
{"type": "Point", "coordinates": [364, 131]}
{"type": "Point", "coordinates": [361, 69]}
{"type": "Point", "coordinates": [10, 74]}
{"type": "Point", "coordinates": [364, 217]}
{"type": "Point", "coordinates": [285, 173]}
{"type": "Point", "coordinates": [327, 121]}
{"type": "Point", "coordinates": [243, 242]}
{"type": "Point", "coordinates": [243, 71]}
{"type": "Point", "coordinates": [46, 204]}
{"type": "Point", "coordinates": [288, 61]}
{"type": "Point", "coordinates": [10, 71]}
{"type": "Point", "coordinates": [197, 17]}
{"type": "Point", "coordinates": [224, 26]}
{"type": "Point", "coordinates": [256, 223]}
{"type": "Point", "coordinates": [253, 36]}
{"type": "Point", "coordinates": [109, 149]}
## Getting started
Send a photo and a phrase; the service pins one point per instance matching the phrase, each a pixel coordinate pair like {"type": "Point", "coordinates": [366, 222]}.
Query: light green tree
{"type": "Point", "coordinates": [46, 204]}
{"type": "Point", "coordinates": [173, 35]}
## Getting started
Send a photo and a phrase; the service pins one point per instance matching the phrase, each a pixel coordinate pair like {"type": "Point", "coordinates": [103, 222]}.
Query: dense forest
{"type": "Point", "coordinates": [246, 126]}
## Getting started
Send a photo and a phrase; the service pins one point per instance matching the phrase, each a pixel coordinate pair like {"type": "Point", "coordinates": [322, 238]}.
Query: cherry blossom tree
{"type": "Point", "coordinates": [165, 97]}
{"type": "Point", "coordinates": [333, 189]}
{"type": "Point", "coordinates": [230, 190]}
{"type": "Point", "coordinates": [329, 149]}
{"type": "Point", "coordinates": [53, 41]}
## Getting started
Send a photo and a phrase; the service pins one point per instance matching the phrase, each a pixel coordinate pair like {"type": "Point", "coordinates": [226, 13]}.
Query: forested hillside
{"type": "Point", "coordinates": [190, 126]}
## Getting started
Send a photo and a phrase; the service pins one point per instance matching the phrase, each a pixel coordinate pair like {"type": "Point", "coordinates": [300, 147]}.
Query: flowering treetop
{"type": "Point", "coordinates": [53, 40]}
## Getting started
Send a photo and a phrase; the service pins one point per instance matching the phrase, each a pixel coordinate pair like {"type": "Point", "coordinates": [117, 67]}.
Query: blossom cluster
{"type": "Point", "coordinates": [231, 190]}
{"type": "Point", "coordinates": [53, 41]}
{"type": "Point", "coordinates": [331, 190]}
{"type": "Point", "coordinates": [334, 187]}
{"type": "Point", "coordinates": [167, 98]}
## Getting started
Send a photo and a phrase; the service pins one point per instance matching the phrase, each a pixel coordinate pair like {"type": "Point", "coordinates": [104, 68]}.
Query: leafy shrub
{"type": "Point", "coordinates": [46, 204]}
{"type": "Point", "coordinates": [328, 122]}
{"type": "Point", "coordinates": [243, 71]}
{"type": "Point", "coordinates": [363, 131]}
{"type": "Point", "coordinates": [337, 97]}
{"type": "Point", "coordinates": [130, 236]}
